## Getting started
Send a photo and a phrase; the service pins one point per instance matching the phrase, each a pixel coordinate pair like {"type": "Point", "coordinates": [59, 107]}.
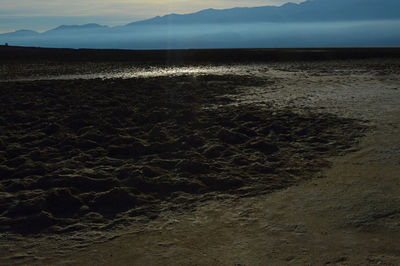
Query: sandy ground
{"type": "Point", "coordinates": [350, 215]}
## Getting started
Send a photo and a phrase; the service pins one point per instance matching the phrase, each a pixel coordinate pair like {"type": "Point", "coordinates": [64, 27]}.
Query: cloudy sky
{"type": "Point", "coordinates": [42, 15]}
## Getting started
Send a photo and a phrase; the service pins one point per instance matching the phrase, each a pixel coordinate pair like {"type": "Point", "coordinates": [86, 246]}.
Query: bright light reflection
{"type": "Point", "coordinates": [148, 72]}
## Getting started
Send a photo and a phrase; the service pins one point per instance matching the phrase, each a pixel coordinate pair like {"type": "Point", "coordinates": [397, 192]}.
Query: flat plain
{"type": "Point", "coordinates": [253, 157]}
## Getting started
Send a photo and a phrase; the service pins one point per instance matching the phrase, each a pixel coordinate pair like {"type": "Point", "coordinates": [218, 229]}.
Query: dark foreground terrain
{"type": "Point", "coordinates": [14, 54]}
{"type": "Point", "coordinates": [78, 153]}
{"type": "Point", "coordinates": [176, 163]}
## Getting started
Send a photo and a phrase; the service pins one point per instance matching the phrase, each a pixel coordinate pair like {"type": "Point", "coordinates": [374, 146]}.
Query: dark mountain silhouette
{"type": "Point", "coordinates": [20, 33]}
{"type": "Point", "coordinates": [309, 11]}
{"type": "Point", "coordinates": [85, 27]}
{"type": "Point", "coordinates": [309, 24]}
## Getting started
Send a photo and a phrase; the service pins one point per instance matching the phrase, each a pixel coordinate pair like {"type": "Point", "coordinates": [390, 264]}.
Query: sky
{"type": "Point", "coordinates": [42, 15]}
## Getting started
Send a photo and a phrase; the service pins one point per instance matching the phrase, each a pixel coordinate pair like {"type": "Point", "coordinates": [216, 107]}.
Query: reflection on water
{"type": "Point", "coordinates": [147, 72]}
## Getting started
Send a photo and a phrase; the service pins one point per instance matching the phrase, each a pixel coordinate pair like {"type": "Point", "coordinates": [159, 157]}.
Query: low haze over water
{"type": "Point", "coordinates": [328, 34]}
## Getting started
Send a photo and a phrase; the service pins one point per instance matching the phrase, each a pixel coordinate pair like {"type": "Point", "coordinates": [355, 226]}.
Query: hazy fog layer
{"type": "Point", "coordinates": [333, 34]}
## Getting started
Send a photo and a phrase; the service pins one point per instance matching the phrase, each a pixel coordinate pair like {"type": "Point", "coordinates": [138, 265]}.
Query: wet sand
{"type": "Point", "coordinates": [294, 164]}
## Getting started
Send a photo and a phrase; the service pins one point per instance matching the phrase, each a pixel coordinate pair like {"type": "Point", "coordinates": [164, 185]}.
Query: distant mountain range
{"type": "Point", "coordinates": [308, 11]}
{"type": "Point", "coordinates": [191, 30]}
{"type": "Point", "coordinates": [19, 33]}
{"type": "Point", "coordinates": [60, 29]}
{"type": "Point", "coordinates": [89, 26]}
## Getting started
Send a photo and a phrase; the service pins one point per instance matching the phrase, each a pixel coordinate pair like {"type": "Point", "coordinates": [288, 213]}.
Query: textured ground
{"type": "Point", "coordinates": [189, 180]}
{"type": "Point", "coordinates": [78, 153]}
